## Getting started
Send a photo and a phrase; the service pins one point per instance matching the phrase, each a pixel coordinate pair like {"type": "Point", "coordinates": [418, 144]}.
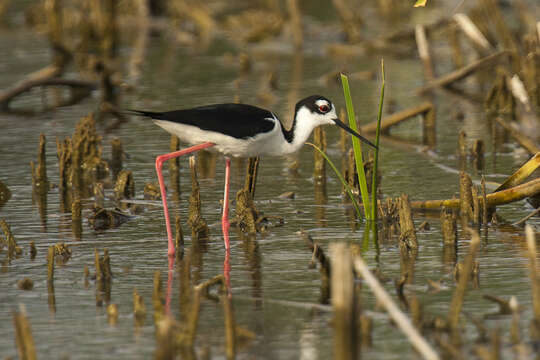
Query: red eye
{"type": "Point", "coordinates": [324, 108]}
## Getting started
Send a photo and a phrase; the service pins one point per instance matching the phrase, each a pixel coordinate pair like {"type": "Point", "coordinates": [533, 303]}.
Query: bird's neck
{"type": "Point", "coordinates": [299, 132]}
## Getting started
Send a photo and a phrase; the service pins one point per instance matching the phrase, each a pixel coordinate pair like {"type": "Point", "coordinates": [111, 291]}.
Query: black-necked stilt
{"type": "Point", "coordinates": [240, 130]}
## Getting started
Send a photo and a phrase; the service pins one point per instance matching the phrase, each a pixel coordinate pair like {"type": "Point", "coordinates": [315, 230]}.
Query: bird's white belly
{"type": "Point", "coordinates": [259, 145]}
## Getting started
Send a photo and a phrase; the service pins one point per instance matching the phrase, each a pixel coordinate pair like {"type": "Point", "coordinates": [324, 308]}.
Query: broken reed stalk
{"type": "Point", "coordinates": [408, 34]}
{"type": "Point", "coordinates": [402, 321]}
{"type": "Point", "coordinates": [522, 173]}
{"type": "Point", "coordinates": [36, 78]}
{"type": "Point", "coordinates": [463, 72]}
{"type": "Point", "coordinates": [179, 238]}
{"type": "Point", "coordinates": [251, 175]}
{"type": "Point", "coordinates": [318, 253]}
{"type": "Point", "coordinates": [462, 146]}
{"type": "Point", "coordinates": [455, 46]}
{"type": "Point", "coordinates": [86, 272]}
{"type": "Point", "coordinates": [23, 336]}
{"type": "Point", "coordinates": [124, 188]}
{"type": "Point", "coordinates": [187, 336]}
{"type": "Point", "coordinates": [465, 198]}
{"type": "Point", "coordinates": [63, 152]}
{"type": "Point", "coordinates": [296, 23]}
{"type": "Point", "coordinates": [493, 13]}
{"type": "Point", "coordinates": [449, 226]}
{"type": "Point", "coordinates": [350, 21]}
{"type": "Point", "coordinates": [389, 121]}
{"type": "Point", "coordinates": [112, 314]}
{"type": "Point", "coordinates": [39, 175]}
{"type": "Point", "coordinates": [343, 302]}
{"type": "Point", "coordinates": [429, 131]}
{"type": "Point", "coordinates": [103, 276]}
{"type": "Point", "coordinates": [99, 196]}
{"type": "Point", "coordinates": [33, 250]}
{"type": "Point", "coordinates": [472, 32]}
{"type": "Point", "coordinates": [9, 240]}
{"type": "Point", "coordinates": [247, 215]}
{"type": "Point", "coordinates": [50, 264]}
{"type": "Point", "coordinates": [374, 177]}
{"type": "Point", "coordinates": [346, 185]}
{"type": "Point", "coordinates": [483, 202]}
{"type": "Point", "coordinates": [116, 157]}
{"type": "Point", "coordinates": [5, 193]}
{"type": "Point", "coordinates": [139, 309]}
{"type": "Point", "coordinates": [166, 347]}
{"type": "Point", "coordinates": [524, 219]}
{"type": "Point", "coordinates": [423, 51]}
{"type": "Point", "coordinates": [51, 298]}
{"type": "Point", "coordinates": [533, 273]}
{"type": "Point", "coordinates": [507, 196]}
{"type": "Point", "coordinates": [230, 325]}
{"type": "Point", "coordinates": [76, 218]}
{"type": "Point", "coordinates": [464, 276]}
{"type": "Point", "coordinates": [521, 138]}
{"type": "Point", "coordinates": [324, 268]}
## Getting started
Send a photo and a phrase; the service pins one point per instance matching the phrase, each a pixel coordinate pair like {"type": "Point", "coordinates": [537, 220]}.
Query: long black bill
{"type": "Point", "coordinates": [352, 132]}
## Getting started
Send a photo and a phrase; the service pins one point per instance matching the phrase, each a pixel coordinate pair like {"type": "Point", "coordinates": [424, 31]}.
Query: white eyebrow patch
{"type": "Point", "coordinates": [322, 102]}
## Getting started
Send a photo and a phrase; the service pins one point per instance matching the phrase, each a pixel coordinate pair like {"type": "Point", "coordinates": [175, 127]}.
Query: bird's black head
{"type": "Point", "coordinates": [316, 104]}
{"type": "Point", "coordinates": [321, 111]}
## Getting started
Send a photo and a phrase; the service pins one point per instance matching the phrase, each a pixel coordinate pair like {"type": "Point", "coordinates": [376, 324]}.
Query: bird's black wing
{"type": "Point", "coordinates": [240, 121]}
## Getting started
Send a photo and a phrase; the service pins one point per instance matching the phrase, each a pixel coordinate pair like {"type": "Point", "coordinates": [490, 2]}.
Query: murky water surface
{"type": "Point", "coordinates": [272, 287]}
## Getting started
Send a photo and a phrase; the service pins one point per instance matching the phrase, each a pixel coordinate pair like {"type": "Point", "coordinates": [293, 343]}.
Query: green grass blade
{"type": "Point", "coordinates": [376, 157]}
{"type": "Point", "coordinates": [345, 184]}
{"type": "Point", "coordinates": [357, 147]}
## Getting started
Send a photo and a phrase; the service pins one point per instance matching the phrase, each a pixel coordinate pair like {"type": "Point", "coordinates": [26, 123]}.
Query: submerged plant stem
{"type": "Point", "coordinates": [346, 186]}
{"type": "Point", "coordinates": [376, 157]}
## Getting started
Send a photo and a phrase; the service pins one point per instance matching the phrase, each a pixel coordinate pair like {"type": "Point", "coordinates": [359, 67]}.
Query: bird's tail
{"type": "Point", "coordinates": [152, 114]}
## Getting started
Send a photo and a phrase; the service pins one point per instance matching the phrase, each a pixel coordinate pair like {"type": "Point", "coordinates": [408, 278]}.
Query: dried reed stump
{"type": "Point", "coordinates": [139, 309]}
{"type": "Point", "coordinates": [117, 157]}
{"type": "Point", "coordinates": [247, 215]}
{"type": "Point", "coordinates": [40, 183]}
{"type": "Point", "coordinates": [199, 227]}
{"type": "Point", "coordinates": [23, 336]}
{"type": "Point", "coordinates": [76, 218]}
{"type": "Point", "coordinates": [535, 286]}
{"type": "Point", "coordinates": [8, 240]}
{"type": "Point", "coordinates": [5, 193]}
{"type": "Point", "coordinates": [50, 280]}
{"type": "Point", "coordinates": [459, 293]}
{"type": "Point", "coordinates": [449, 232]}
{"type": "Point", "coordinates": [343, 302]}
{"type": "Point", "coordinates": [125, 185]}
{"type": "Point", "coordinates": [408, 233]}
{"type": "Point", "coordinates": [324, 268]}
{"type": "Point", "coordinates": [158, 298]}
{"type": "Point", "coordinates": [103, 277]}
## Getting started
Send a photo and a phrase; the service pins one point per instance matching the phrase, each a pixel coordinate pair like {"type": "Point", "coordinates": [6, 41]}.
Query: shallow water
{"type": "Point", "coordinates": [274, 292]}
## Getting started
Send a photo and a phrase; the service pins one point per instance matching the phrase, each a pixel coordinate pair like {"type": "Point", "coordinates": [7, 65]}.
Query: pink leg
{"type": "Point", "coordinates": [159, 164]}
{"type": "Point", "coordinates": [225, 218]}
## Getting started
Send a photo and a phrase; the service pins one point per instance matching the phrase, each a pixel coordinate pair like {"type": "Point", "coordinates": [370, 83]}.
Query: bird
{"type": "Point", "coordinates": [239, 130]}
